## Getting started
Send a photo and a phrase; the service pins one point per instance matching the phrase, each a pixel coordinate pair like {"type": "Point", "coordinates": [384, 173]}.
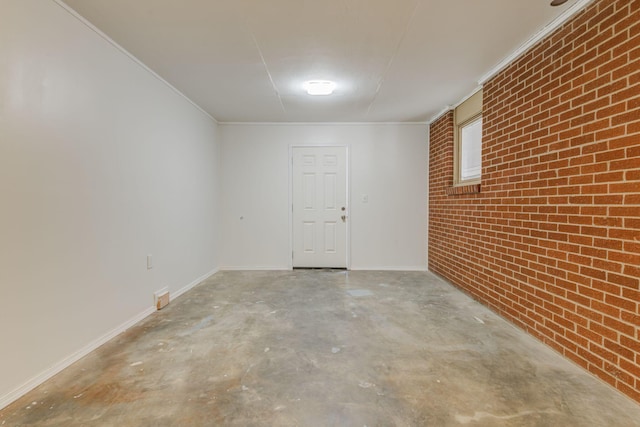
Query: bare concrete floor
{"type": "Point", "coordinates": [323, 348]}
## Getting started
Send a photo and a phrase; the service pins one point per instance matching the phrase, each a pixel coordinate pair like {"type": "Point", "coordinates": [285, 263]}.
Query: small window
{"type": "Point", "coordinates": [468, 141]}
{"type": "Point", "coordinates": [471, 149]}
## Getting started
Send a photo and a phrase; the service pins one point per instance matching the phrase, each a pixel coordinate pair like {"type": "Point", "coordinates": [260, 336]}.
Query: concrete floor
{"type": "Point", "coordinates": [323, 348]}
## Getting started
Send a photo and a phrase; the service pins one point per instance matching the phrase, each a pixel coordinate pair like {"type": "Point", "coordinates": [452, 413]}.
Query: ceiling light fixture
{"type": "Point", "coordinates": [558, 2]}
{"type": "Point", "coordinates": [319, 87]}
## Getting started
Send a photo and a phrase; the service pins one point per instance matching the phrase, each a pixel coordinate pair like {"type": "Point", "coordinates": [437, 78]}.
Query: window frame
{"type": "Point", "coordinates": [465, 113]}
{"type": "Point", "coordinates": [458, 151]}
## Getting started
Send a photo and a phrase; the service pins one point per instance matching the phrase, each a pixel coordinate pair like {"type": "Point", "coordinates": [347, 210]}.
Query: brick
{"type": "Point", "coordinates": [611, 155]}
{"type": "Point", "coordinates": [631, 318]}
{"type": "Point", "coordinates": [626, 281]}
{"type": "Point", "coordinates": [632, 199]}
{"type": "Point", "coordinates": [625, 187]}
{"type": "Point", "coordinates": [630, 211]}
{"type": "Point", "coordinates": [553, 240]}
{"type": "Point", "coordinates": [607, 244]}
{"type": "Point", "coordinates": [633, 271]}
{"type": "Point", "coordinates": [606, 355]}
{"type": "Point", "coordinates": [619, 326]}
{"type": "Point", "coordinates": [621, 303]}
{"type": "Point", "coordinates": [619, 350]}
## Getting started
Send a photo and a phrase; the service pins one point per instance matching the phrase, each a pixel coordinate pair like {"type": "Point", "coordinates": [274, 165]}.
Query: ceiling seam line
{"type": "Point", "coordinates": [393, 57]}
{"type": "Point", "coordinates": [266, 68]}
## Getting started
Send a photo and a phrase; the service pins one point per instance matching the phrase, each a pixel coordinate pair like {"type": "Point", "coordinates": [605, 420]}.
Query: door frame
{"type": "Point", "coordinates": [348, 197]}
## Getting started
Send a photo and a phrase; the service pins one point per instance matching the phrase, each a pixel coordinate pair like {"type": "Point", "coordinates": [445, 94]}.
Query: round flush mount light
{"type": "Point", "coordinates": [319, 87]}
{"type": "Point", "coordinates": [558, 2]}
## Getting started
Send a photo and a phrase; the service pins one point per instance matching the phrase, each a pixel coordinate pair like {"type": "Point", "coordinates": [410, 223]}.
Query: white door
{"type": "Point", "coordinates": [319, 207]}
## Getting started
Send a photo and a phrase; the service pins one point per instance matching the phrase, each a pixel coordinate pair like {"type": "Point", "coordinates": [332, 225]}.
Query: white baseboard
{"type": "Point", "coordinates": [190, 286]}
{"type": "Point", "coordinates": [405, 268]}
{"type": "Point", "coordinates": [247, 268]}
{"type": "Point", "coordinates": [376, 268]}
{"type": "Point", "coordinates": [69, 360]}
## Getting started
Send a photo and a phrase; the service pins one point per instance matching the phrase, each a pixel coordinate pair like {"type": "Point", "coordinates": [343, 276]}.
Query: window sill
{"type": "Point", "coordinates": [463, 189]}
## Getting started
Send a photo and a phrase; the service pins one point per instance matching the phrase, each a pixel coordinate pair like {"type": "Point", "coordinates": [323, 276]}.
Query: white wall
{"type": "Point", "coordinates": [388, 162]}
{"type": "Point", "coordinates": [101, 163]}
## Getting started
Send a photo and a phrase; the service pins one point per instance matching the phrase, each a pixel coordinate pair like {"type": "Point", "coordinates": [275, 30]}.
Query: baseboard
{"type": "Point", "coordinates": [246, 268]}
{"type": "Point", "coordinates": [34, 382]}
{"type": "Point", "coordinates": [68, 361]}
{"type": "Point", "coordinates": [405, 268]}
{"type": "Point", "coordinates": [191, 285]}
{"type": "Point", "coordinates": [378, 268]}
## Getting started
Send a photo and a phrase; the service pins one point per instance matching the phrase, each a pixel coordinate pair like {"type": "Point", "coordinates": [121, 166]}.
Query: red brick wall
{"type": "Point", "coordinates": [552, 240]}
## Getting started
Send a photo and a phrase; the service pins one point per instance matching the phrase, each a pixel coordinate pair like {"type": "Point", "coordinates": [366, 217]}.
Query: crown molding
{"type": "Point", "coordinates": [544, 32]}
{"type": "Point", "coordinates": [128, 54]}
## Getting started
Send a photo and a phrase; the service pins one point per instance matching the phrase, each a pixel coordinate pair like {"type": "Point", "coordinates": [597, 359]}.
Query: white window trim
{"type": "Point", "coordinates": [465, 113]}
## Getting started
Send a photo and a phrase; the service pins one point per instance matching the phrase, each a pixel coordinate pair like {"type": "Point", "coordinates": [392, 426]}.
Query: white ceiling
{"type": "Point", "coordinates": [393, 60]}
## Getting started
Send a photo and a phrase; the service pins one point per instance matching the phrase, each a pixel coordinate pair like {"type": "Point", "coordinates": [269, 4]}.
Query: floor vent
{"type": "Point", "coordinates": [162, 298]}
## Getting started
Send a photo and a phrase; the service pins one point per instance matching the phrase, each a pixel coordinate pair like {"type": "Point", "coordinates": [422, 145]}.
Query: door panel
{"type": "Point", "coordinates": [319, 193]}
{"type": "Point", "coordinates": [309, 192]}
{"type": "Point", "coordinates": [330, 191]}
{"type": "Point", "coordinates": [309, 234]}
{"type": "Point", "coordinates": [330, 234]}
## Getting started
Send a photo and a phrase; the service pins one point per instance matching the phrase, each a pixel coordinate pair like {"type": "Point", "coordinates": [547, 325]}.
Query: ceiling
{"type": "Point", "coordinates": [392, 60]}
